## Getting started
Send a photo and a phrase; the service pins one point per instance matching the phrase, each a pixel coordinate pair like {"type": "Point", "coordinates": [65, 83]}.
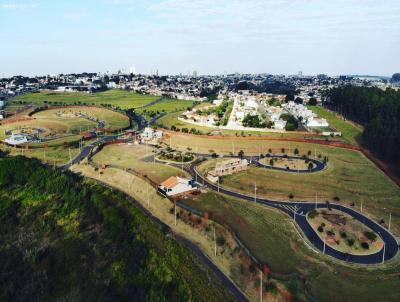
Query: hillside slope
{"type": "Point", "coordinates": [64, 239]}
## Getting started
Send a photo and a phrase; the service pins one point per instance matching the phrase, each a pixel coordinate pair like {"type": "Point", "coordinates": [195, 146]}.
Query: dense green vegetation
{"type": "Point", "coordinates": [377, 110]}
{"type": "Point", "coordinates": [253, 121]}
{"type": "Point", "coordinates": [66, 239]}
{"type": "Point", "coordinates": [291, 122]}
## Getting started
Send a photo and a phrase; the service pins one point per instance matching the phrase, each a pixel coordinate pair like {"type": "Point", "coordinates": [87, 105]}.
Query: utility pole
{"type": "Point", "coordinates": [218, 184]}
{"type": "Point", "coordinates": [316, 200]}
{"type": "Point", "coordinates": [182, 161]}
{"type": "Point", "coordinates": [261, 285]}
{"type": "Point", "coordinates": [44, 151]}
{"type": "Point", "coordinates": [215, 244]}
{"type": "Point", "coordinates": [323, 250]}
{"type": "Point", "coordinates": [69, 152]}
{"type": "Point", "coordinates": [384, 250]}
{"type": "Point", "coordinates": [390, 219]}
{"type": "Point", "coordinates": [361, 208]}
{"type": "Point", "coordinates": [255, 192]}
{"type": "Point", "coordinates": [175, 211]}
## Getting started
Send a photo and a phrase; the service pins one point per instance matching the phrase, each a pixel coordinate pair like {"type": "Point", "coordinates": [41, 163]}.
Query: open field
{"type": "Point", "coordinates": [350, 132]}
{"type": "Point", "coordinates": [64, 124]}
{"type": "Point", "coordinates": [52, 155]}
{"type": "Point", "coordinates": [117, 98]}
{"type": "Point", "coordinates": [349, 175]}
{"type": "Point", "coordinates": [171, 119]}
{"type": "Point", "coordinates": [168, 105]}
{"type": "Point", "coordinates": [132, 156]}
{"type": "Point", "coordinates": [76, 117]}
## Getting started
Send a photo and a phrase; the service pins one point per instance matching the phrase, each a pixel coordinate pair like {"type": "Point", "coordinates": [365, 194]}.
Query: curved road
{"type": "Point", "coordinates": [298, 211]}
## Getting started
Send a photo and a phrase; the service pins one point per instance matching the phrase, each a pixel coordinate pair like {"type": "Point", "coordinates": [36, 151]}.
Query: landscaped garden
{"type": "Point", "coordinates": [343, 232]}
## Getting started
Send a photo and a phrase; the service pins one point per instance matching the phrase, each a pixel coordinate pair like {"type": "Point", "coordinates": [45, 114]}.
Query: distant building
{"type": "Point", "coordinates": [150, 134]}
{"type": "Point", "coordinates": [227, 167]}
{"type": "Point", "coordinates": [17, 139]}
{"type": "Point", "coordinates": [176, 185]}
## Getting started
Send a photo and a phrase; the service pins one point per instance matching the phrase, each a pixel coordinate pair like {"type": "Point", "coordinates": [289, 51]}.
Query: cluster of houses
{"type": "Point", "coordinates": [306, 116]}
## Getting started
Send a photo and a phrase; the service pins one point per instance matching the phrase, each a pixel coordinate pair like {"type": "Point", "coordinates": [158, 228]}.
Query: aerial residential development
{"type": "Point", "coordinates": [199, 151]}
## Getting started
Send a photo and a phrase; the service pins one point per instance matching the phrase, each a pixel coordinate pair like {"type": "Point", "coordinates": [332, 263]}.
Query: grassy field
{"type": "Point", "coordinates": [58, 155]}
{"type": "Point", "coordinates": [168, 105]}
{"type": "Point", "coordinates": [118, 98]}
{"type": "Point", "coordinates": [74, 117]}
{"type": "Point", "coordinates": [132, 156]}
{"type": "Point", "coordinates": [57, 123]}
{"type": "Point", "coordinates": [350, 132]}
{"type": "Point", "coordinates": [349, 175]}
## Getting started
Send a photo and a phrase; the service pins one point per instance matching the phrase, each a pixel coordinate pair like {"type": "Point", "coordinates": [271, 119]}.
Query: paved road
{"type": "Point", "coordinates": [298, 211]}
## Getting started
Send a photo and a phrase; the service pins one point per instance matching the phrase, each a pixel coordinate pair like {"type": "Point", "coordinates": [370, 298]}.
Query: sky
{"type": "Point", "coordinates": [41, 37]}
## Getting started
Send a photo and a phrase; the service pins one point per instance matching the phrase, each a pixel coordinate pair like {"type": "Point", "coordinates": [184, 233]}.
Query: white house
{"type": "Point", "coordinates": [17, 139]}
{"type": "Point", "coordinates": [279, 124]}
{"type": "Point", "coordinates": [176, 185]}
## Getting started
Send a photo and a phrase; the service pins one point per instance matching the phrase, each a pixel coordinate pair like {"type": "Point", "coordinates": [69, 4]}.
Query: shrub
{"type": "Point", "coordinates": [320, 229]}
{"type": "Point", "coordinates": [365, 245]}
{"type": "Point", "coordinates": [370, 235]}
{"type": "Point", "coordinates": [350, 242]}
{"type": "Point", "coordinates": [330, 233]}
{"type": "Point", "coordinates": [221, 240]}
{"type": "Point", "coordinates": [343, 234]}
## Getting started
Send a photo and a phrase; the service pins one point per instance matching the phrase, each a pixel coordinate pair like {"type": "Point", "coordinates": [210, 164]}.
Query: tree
{"type": "Point", "coordinates": [312, 101]}
{"type": "Point", "coordinates": [296, 151]}
{"type": "Point", "coordinates": [396, 77]}
{"type": "Point", "coordinates": [298, 100]}
{"type": "Point", "coordinates": [241, 153]}
{"type": "Point", "coordinates": [289, 97]}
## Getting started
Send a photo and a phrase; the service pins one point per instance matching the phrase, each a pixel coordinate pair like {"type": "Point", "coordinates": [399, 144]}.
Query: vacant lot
{"type": "Point", "coordinates": [118, 98]}
{"type": "Point", "coordinates": [168, 105]}
{"type": "Point", "coordinates": [133, 157]}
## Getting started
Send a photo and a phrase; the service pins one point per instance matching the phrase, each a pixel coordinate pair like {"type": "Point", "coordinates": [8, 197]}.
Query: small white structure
{"type": "Point", "coordinates": [17, 139]}
{"type": "Point", "coordinates": [150, 133]}
{"type": "Point", "coordinates": [317, 122]}
{"type": "Point", "coordinates": [176, 185]}
{"type": "Point", "coordinates": [279, 124]}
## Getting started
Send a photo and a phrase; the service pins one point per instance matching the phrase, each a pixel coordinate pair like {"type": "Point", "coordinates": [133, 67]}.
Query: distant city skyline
{"type": "Point", "coordinates": [200, 36]}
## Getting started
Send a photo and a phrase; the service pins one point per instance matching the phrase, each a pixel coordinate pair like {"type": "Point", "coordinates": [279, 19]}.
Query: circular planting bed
{"type": "Point", "coordinates": [344, 233]}
{"type": "Point", "coordinates": [290, 163]}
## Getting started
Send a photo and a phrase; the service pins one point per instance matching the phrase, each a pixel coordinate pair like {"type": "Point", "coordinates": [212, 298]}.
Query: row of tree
{"type": "Point", "coordinates": [377, 110]}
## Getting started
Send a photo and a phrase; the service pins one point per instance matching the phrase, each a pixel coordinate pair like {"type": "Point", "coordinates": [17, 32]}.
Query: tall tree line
{"type": "Point", "coordinates": [377, 110]}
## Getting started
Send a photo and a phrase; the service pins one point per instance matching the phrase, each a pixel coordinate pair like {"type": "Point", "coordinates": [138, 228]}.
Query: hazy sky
{"type": "Point", "coordinates": [210, 36]}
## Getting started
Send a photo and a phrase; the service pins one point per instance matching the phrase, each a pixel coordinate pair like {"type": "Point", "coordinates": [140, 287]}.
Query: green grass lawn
{"type": "Point", "coordinates": [168, 105]}
{"type": "Point", "coordinates": [350, 132]}
{"type": "Point", "coordinates": [120, 98]}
